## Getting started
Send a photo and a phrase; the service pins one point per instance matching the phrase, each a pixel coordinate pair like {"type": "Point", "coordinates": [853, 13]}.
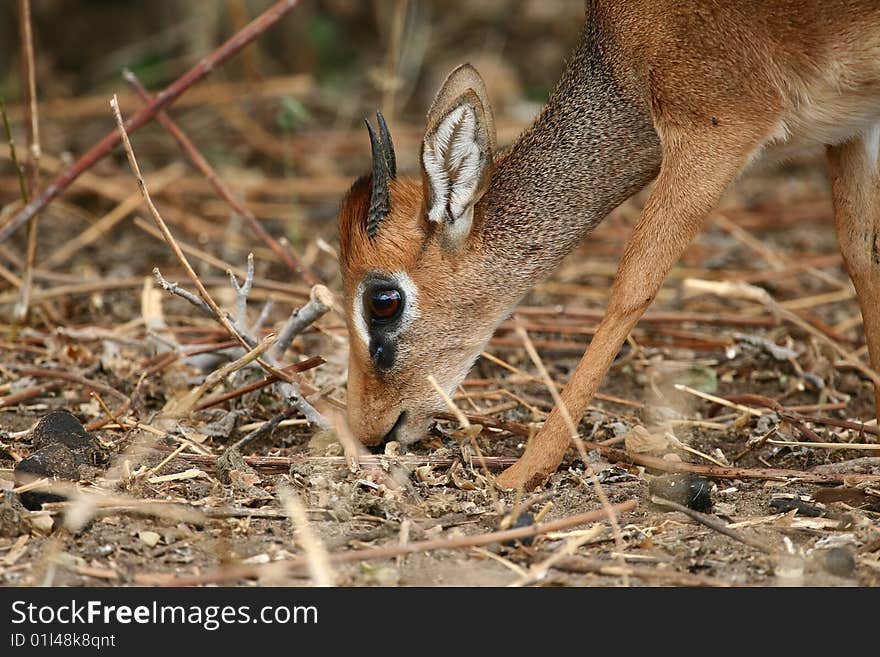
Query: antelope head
{"type": "Point", "coordinates": [414, 269]}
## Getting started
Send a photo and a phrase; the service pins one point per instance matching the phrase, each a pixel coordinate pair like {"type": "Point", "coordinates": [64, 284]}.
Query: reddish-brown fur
{"type": "Point", "coordinates": [687, 92]}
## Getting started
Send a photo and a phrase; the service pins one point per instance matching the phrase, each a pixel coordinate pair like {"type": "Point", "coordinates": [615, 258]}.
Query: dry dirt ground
{"type": "Point", "coordinates": [139, 523]}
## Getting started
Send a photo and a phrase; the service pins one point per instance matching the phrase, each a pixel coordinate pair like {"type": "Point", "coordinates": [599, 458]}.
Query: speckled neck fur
{"type": "Point", "coordinates": [592, 147]}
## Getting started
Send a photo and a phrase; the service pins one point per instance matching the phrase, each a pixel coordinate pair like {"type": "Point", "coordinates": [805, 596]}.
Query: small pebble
{"type": "Point", "coordinates": [687, 489]}
{"type": "Point", "coordinates": [839, 561]}
{"type": "Point", "coordinates": [150, 539]}
{"type": "Point", "coordinates": [524, 520]}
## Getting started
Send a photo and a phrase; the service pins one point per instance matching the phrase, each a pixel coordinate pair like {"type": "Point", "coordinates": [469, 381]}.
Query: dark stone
{"type": "Point", "coordinates": [839, 561]}
{"type": "Point", "coordinates": [63, 428]}
{"type": "Point", "coordinates": [524, 520]}
{"type": "Point", "coordinates": [786, 504]}
{"type": "Point", "coordinates": [53, 461]}
{"type": "Point", "coordinates": [687, 489]}
{"type": "Point", "coordinates": [60, 427]}
{"type": "Point", "coordinates": [50, 461]}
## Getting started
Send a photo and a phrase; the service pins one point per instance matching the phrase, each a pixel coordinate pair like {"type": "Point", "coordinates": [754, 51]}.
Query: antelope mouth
{"type": "Point", "coordinates": [392, 433]}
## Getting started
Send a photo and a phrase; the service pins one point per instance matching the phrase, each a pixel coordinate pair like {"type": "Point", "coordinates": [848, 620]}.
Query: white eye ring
{"type": "Point", "coordinates": [408, 314]}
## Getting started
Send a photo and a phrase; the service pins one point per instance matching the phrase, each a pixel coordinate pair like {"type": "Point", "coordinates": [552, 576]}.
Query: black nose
{"type": "Point", "coordinates": [392, 432]}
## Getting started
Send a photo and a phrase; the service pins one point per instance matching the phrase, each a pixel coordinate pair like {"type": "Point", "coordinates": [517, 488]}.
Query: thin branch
{"type": "Point", "coordinates": [42, 372]}
{"type": "Point", "coordinates": [576, 564]}
{"type": "Point", "coordinates": [175, 289]}
{"type": "Point", "coordinates": [714, 524]}
{"type": "Point", "coordinates": [575, 438]}
{"type": "Point", "coordinates": [184, 405]}
{"type": "Point", "coordinates": [320, 301]}
{"type": "Point", "coordinates": [20, 311]}
{"type": "Point", "coordinates": [293, 392]}
{"type": "Point", "coordinates": [302, 366]}
{"type": "Point", "coordinates": [242, 291]}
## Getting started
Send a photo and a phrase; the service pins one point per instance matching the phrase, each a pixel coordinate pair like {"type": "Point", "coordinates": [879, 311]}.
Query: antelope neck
{"type": "Point", "coordinates": [592, 147]}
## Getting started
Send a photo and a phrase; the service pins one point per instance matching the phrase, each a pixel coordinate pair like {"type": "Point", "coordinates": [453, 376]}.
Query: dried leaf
{"type": "Point", "coordinates": [640, 441]}
{"type": "Point", "coordinates": [41, 523]}
{"type": "Point", "coordinates": [426, 475]}
{"type": "Point", "coordinates": [458, 480]}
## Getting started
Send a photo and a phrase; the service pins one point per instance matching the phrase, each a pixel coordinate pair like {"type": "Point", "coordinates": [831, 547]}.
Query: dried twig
{"type": "Point", "coordinates": [44, 372]}
{"type": "Point", "coordinates": [577, 564]}
{"type": "Point", "coordinates": [320, 301]}
{"type": "Point", "coordinates": [184, 405]}
{"type": "Point", "coordinates": [176, 290]}
{"type": "Point", "coordinates": [29, 393]}
{"type": "Point", "coordinates": [243, 290]}
{"type": "Point", "coordinates": [302, 366]}
{"type": "Point", "coordinates": [820, 445]}
{"type": "Point", "coordinates": [32, 122]}
{"type": "Point", "coordinates": [218, 314]}
{"type": "Point", "coordinates": [718, 400]}
{"type": "Point", "coordinates": [714, 524]}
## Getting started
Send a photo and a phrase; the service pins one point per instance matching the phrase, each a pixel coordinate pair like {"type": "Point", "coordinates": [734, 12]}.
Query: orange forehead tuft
{"type": "Point", "coordinates": [400, 237]}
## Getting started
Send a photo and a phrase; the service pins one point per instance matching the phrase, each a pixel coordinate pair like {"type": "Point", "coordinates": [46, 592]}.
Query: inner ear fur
{"type": "Point", "coordinates": [458, 83]}
{"type": "Point", "coordinates": [462, 98]}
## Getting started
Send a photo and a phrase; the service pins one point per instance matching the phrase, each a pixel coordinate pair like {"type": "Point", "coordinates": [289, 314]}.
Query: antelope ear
{"type": "Point", "coordinates": [457, 153]}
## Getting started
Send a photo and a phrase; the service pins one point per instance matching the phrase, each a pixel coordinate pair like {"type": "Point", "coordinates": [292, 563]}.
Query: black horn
{"type": "Point", "coordinates": [384, 169]}
{"type": "Point", "coordinates": [387, 145]}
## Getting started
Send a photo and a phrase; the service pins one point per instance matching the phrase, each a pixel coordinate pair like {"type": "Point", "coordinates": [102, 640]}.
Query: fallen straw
{"type": "Point", "coordinates": [456, 542]}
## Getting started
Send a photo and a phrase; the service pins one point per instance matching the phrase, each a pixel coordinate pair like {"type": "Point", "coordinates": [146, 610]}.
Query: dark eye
{"type": "Point", "coordinates": [385, 305]}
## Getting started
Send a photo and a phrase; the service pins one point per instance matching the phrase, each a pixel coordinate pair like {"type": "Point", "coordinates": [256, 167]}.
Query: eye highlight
{"type": "Point", "coordinates": [384, 304]}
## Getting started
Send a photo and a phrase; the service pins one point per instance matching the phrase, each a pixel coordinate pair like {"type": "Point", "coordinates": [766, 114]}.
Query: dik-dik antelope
{"type": "Point", "coordinates": [688, 93]}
